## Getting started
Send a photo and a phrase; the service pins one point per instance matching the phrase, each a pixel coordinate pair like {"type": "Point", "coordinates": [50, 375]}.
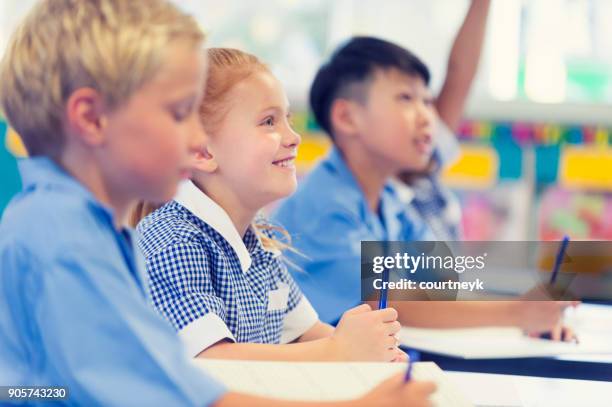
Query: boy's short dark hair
{"type": "Point", "coordinates": [354, 63]}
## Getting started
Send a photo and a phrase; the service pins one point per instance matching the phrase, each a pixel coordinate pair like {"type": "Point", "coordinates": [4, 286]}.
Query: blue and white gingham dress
{"type": "Point", "coordinates": [193, 270]}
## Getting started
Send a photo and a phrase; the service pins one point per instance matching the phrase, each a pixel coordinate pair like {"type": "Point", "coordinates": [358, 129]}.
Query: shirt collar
{"type": "Point", "coordinates": [198, 203]}
{"type": "Point", "coordinates": [337, 162]}
{"type": "Point", "coordinates": [42, 172]}
{"type": "Point", "coordinates": [393, 209]}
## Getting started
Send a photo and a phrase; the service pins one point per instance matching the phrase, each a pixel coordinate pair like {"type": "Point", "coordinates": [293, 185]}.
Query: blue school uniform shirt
{"type": "Point", "coordinates": [211, 283]}
{"type": "Point", "coordinates": [327, 218]}
{"type": "Point", "coordinates": [73, 305]}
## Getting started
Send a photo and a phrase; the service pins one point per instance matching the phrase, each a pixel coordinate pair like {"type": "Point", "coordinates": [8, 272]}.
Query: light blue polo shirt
{"type": "Point", "coordinates": [327, 218]}
{"type": "Point", "coordinates": [73, 303]}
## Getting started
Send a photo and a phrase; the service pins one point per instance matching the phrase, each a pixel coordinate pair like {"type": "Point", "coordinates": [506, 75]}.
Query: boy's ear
{"type": "Point", "coordinates": [344, 118]}
{"type": "Point", "coordinates": [204, 160]}
{"type": "Point", "coordinates": [85, 116]}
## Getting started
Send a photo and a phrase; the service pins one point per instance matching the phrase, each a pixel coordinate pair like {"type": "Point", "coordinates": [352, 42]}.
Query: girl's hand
{"type": "Point", "coordinates": [400, 356]}
{"type": "Point", "coordinates": [366, 335]}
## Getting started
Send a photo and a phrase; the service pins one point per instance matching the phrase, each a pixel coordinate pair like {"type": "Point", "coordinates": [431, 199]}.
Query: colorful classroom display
{"type": "Point", "coordinates": [582, 215]}
{"type": "Point", "coordinates": [572, 172]}
{"type": "Point", "coordinates": [536, 133]}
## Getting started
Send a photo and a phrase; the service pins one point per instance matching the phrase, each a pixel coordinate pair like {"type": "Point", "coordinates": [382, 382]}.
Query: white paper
{"type": "Point", "coordinates": [323, 381]}
{"type": "Point", "coordinates": [489, 390]}
{"type": "Point", "coordinates": [595, 338]}
{"type": "Point", "coordinates": [493, 390]}
{"type": "Point", "coordinates": [485, 343]}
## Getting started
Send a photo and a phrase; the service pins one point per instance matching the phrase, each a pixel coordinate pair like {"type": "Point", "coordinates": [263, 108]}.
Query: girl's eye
{"type": "Point", "coordinates": [268, 121]}
{"type": "Point", "coordinates": [429, 101]}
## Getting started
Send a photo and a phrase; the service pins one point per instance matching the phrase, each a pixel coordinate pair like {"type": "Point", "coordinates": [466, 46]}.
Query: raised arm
{"type": "Point", "coordinates": [463, 64]}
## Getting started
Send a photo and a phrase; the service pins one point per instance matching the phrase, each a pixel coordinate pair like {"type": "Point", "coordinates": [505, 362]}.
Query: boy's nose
{"type": "Point", "coordinates": [426, 114]}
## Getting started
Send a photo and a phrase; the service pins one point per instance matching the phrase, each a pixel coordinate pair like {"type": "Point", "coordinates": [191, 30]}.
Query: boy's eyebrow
{"type": "Point", "coordinates": [185, 100]}
{"type": "Point", "coordinates": [413, 87]}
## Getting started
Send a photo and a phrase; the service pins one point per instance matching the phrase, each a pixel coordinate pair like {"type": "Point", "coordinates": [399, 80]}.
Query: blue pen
{"type": "Point", "coordinates": [559, 259]}
{"type": "Point", "coordinates": [382, 301]}
{"type": "Point", "coordinates": [408, 376]}
{"type": "Point", "coordinates": [557, 266]}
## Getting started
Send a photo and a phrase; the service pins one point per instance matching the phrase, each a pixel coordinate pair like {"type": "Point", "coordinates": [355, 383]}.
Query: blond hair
{"type": "Point", "coordinates": [226, 68]}
{"type": "Point", "coordinates": [112, 46]}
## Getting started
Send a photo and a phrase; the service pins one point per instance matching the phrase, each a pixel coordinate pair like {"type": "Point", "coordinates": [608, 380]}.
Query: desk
{"type": "Point", "coordinates": [543, 367]}
{"type": "Point", "coordinates": [592, 322]}
{"type": "Point", "coordinates": [513, 391]}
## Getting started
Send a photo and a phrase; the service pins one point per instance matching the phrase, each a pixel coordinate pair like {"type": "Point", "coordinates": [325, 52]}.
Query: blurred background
{"type": "Point", "coordinates": [536, 141]}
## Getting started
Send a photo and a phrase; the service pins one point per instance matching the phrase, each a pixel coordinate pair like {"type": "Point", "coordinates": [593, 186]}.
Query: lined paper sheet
{"type": "Point", "coordinates": [324, 381]}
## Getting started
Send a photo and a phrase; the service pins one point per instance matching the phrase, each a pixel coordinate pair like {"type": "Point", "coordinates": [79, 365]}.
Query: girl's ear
{"type": "Point", "coordinates": [204, 160]}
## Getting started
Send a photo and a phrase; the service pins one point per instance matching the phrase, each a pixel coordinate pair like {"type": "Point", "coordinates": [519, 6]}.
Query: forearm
{"type": "Point", "coordinates": [317, 350]}
{"type": "Point", "coordinates": [319, 330]}
{"type": "Point", "coordinates": [233, 399]}
{"type": "Point", "coordinates": [463, 64]}
{"type": "Point", "coordinates": [467, 46]}
{"type": "Point", "coordinates": [455, 314]}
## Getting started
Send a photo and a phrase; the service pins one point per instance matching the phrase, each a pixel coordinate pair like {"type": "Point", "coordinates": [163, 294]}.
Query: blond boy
{"type": "Point", "coordinates": [103, 93]}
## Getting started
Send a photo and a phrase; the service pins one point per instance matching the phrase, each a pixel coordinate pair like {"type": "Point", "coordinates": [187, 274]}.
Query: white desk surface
{"type": "Point", "coordinates": [594, 324]}
{"type": "Point", "coordinates": [524, 391]}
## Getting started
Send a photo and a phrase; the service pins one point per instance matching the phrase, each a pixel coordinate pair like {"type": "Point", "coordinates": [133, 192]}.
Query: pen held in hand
{"type": "Point", "coordinates": [553, 278]}
{"type": "Point", "coordinates": [559, 259]}
{"type": "Point", "coordinates": [382, 301]}
{"type": "Point", "coordinates": [408, 375]}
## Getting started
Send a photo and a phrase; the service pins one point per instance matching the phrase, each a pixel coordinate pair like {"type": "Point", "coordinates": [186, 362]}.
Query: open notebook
{"type": "Point", "coordinates": [323, 381]}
